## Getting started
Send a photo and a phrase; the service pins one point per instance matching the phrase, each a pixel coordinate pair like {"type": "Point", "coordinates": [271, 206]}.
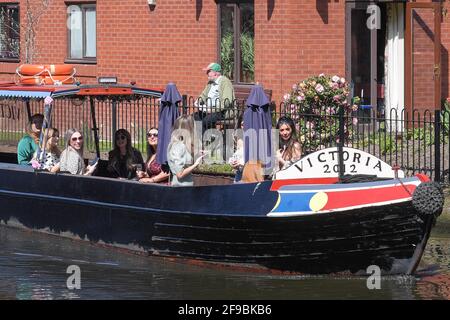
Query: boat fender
{"type": "Point", "coordinates": [428, 198]}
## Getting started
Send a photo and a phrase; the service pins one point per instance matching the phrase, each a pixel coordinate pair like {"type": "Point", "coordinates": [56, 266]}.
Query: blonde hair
{"type": "Point", "coordinates": [183, 131]}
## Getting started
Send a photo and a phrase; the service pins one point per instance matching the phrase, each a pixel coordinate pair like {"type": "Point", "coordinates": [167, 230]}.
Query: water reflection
{"type": "Point", "coordinates": [33, 266]}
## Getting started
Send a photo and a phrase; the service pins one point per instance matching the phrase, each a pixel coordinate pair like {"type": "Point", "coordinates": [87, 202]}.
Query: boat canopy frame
{"type": "Point", "coordinates": [101, 92]}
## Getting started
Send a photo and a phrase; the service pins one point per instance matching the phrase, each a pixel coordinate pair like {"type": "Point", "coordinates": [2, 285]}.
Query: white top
{"type": "Point", "coordinates": [179, 158]}
{"type": "Point", "coordinates": [50, 161]}
{"type": "Point", "coordinates": [213, 94]}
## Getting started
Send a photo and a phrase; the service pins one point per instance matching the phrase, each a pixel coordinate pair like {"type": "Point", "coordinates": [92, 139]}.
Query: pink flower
{"type": "Point", "coordinates": [335, 85]}
{"type": "Point", "coordinates": [448, 99]}
{"type": "Point", "coordinates": [335, 79]}
{"type": "Point", "coordinates": [294, 87]}
{"type": "Point", "coordinates": [342, 80]}
{"type": "Point", "coordinates": [301, 97]}
{"type": "Point", "coordinates": [337, 98]}
{"type": "Point", "coordinates": [319, 88]}
{"type": "Point", "coordinates": [355, 121]}
{"type": "Point", "coordinates": [286, 97]}
{"type": "Point", "coordinates": [322, 75]}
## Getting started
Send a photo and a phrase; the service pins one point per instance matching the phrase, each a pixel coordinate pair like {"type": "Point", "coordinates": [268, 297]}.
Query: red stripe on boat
{"type": "Point", "coordinates": [277, 184]}
{"type": "Point", "coordinates": [351, 198]}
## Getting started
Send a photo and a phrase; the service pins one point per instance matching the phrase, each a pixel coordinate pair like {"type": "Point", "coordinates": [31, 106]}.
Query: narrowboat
{"type": "Point", "coordinates": [314, 223]}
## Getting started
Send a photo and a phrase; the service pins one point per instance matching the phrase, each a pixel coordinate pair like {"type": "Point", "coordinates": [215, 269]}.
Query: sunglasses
{"type": "Point", "coordinates": [77, 138]}
{"type": "Point", "coordinates": [121, 137]}
{"type": "Point", "coordinates": [152, 135]}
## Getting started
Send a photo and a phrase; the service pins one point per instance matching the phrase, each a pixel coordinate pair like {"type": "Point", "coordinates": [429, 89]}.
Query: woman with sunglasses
{"type": "Point", "coordinates": [72, 157]}
{"type": "Point", "coordinates": [123, 160]}
{"type": "Point", "coordinates": [29, 143]}
{"type": "Point", "coordinates": [153, 172]}
{"type": "Point", "coordinates": [290, 149]}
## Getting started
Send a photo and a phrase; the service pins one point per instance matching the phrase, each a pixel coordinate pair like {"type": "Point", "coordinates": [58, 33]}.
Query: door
{"type": "Point", "coordinates": [365, 42]}
{"type": "Point", "coordinates": [423, 57]}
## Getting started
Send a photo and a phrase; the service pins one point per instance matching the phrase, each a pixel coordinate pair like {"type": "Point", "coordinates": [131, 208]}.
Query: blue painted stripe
{"type": "Point", "coordinates": [290, 202]}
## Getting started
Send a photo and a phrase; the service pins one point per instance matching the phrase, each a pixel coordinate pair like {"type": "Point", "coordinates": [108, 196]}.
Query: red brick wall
{"type": "Point", "coordinates": [295, 43]}
{"type": "Point", "coordinates": [423, 59]}
{"type": "Point", "coordinates": [294, 39]}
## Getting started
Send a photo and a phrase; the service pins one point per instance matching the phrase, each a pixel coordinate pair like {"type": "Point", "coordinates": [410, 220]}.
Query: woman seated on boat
{"type": "Point", "coordinates": [152, 172]}
{"type": "Point", "coordinates": [29, 143]}
{"type": "Point", "coordinates": [124, 160]}
{"type": "Point", "coordinates": [290, 149]}
{"type": "Point", "coordinates": [180, 152]}
{"type": "Point", "coordinates": [52, 152]}
{"type": "Point", "coordinates": [72, 157]}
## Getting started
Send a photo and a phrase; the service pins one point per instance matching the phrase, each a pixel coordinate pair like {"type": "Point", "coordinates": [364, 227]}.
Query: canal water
{"type": "Point", "coordinates": [34, 266]}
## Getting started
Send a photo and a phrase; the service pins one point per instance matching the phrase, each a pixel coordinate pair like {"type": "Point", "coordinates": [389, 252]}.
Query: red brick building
{"type": "Point", "coordinates": [292, 39]}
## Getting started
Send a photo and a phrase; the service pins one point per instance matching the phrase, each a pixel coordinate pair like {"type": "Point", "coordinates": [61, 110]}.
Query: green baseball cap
{"type": "Point", "coordinates": [213, 66]}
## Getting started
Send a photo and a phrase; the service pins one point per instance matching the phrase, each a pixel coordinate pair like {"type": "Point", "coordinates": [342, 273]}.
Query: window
{"type": "Point", "coordinates": [236, 36]}
{"type": "Point", "coordinates": [82, 39]}
{"type": "Point", "coordinates": [9, 32]}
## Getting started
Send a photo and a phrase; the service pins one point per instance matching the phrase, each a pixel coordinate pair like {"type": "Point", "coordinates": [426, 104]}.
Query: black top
{"type": "Point", "coordinates": [117, 168]}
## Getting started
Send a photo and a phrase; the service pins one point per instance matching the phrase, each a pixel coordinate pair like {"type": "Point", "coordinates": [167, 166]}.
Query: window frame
{"type": "Point", "coordinates": [237, 42]}
{"type": "Point", "coordinates": [84, 6]}
{"type": "Point", "coordinates": [12, 5]}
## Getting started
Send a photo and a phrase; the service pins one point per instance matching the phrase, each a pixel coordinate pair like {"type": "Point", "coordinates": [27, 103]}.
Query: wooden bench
{"type": "Point", "coordinates": [241, 93]}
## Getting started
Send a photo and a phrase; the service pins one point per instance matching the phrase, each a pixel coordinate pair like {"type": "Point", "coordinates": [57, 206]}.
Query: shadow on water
{"type": "Point", "coordinates": [33, 266]}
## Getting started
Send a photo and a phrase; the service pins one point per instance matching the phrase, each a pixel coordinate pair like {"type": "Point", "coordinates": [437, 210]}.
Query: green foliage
{"type": "Point", "coordinates": [215, 168]}
{"type": "Point", "coordinates": [425, 135]}
{"type": "Point", "coordinates": [248, 57]}
{"type": "Point", "coordinates": [227, 54]}
{"type": "Point", "coordinates": [387, 145]}
{"type": "Point", "coordinates": [445, 115]}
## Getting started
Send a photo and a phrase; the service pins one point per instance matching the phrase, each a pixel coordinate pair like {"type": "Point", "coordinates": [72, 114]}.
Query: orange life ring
{"type": "Point", "coordinates": [38, 80]}
{"type": "Point", "coordinates": [30, 69]}
{"type": "Point", "coordinates": [45, 70]}
{"type": "Point", "coordinates": [67, 79]}
{"type": "Point", "coordinates": [60, 69]}
{"type": "Point", "coordinates": [30, 80]}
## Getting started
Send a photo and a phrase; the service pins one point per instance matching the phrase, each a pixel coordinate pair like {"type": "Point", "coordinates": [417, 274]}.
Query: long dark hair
{"type": "Point", "coordinates": [288, 145]}
{"type": "Point", "coordinates": [38, 120]}
{"type": "Point", "coordinates": [115, 153]}
{"type": "Point", "coordinates": [150, 150]}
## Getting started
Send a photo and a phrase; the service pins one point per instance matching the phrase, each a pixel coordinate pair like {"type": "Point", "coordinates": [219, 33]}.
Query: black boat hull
{"type": "Point", "coordinates": [226, 224]}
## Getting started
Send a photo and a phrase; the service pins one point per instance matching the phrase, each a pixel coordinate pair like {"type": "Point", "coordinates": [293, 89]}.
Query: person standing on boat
{"type": "Point", "coordinates": [28, 145]}
{"type": "Point", "coordinates": [180, 152]}
{"type": "Point", "coordinates": [290, 149]}
{"type": "Point", "coordinates": [153, 172]}
{"type": "Point", "coordinates": [216, 100]}
{"type": "Point", "coordinates": [72, 157]}
{"type": "Point", "coordinates": [124, 160]}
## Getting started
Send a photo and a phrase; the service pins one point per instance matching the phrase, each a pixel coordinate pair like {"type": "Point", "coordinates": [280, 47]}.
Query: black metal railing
{"type": "Point", "coordinates": [417, 141]}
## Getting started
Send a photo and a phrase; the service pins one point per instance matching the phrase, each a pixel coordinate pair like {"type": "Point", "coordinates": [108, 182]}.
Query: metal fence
{"type": "Point", "coordinates": [417, 142]}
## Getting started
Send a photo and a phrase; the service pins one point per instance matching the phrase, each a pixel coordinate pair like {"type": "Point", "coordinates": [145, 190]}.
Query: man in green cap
{"type": "Point", "coordinates": [216, 100]}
